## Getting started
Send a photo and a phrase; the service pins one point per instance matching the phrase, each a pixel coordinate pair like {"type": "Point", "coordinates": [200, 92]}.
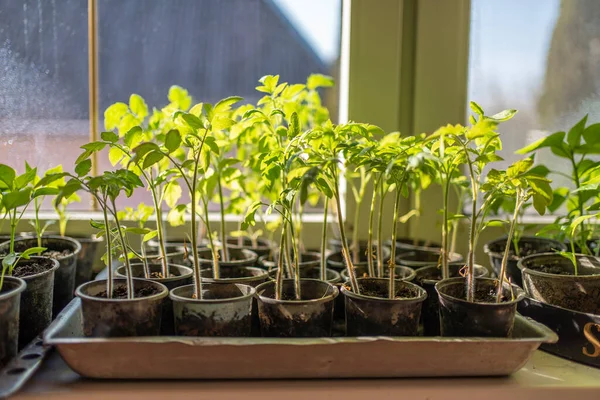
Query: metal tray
{"type": "Point", "coordinates": [579, 333]}
{"type": "Point", "coordinates": [18, 370]}
{"type": "Point", "coordinates": [269, 358]}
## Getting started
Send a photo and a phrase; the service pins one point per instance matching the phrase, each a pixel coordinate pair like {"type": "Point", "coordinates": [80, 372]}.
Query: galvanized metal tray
{"type": "Point", "coordinates": [18, 370]}
{"type": "Point", "coordinates": [267, 358]}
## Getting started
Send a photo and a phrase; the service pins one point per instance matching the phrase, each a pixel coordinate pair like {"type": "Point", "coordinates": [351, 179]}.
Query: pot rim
{"type": "Point", "coordinates": [486, 246]}
{"type": "Point", "coordinates": [250, 257]}
{"type": "Point", "coordinates": [337, 277]}
{"type": "Point", "coordinates": [267, 244]}
{"type": "Point", "coordinates": [55, 266]}
{"type": "Point", "coordinates": [240, 280]}
{"type": "Point", "coordinates": [408, 278]}
{"type": "Point", "coordinates": [181, 299]}
{"type": "Point", "coordinates": [520, 293]}
{"type": "Point", "coordinates": [457, 256]}
{"type": "Point", "coordinates": [93, 238]}
{"type": "Point", "coordinates": [68, 239]}
{"type": "Point", "coordinates": [315, 254]}
{"type": "Point", "coordinates": [186, 275]}
{"type": "Point", "coordinates": [422, 297]}
{"type": "Point", "coordinates": [158, 296]}
{"type": "Point", "coordinates": [526, 270]}
{"type": "Point", "coordinates": [339, 253]}
{"type": "Point", "coordinates": [21, 286]}
{"type": "Point", "coordinates": [269, 300]}
{"type": "Point", "coordinates": [434, 281]}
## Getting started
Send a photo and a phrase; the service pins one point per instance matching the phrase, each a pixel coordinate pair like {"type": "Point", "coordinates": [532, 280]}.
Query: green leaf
{"type": "Point", "coordinates": [45, 191]}
{"type": "Point", "coordinates": [316, 81]}
{"type": "Point", "coordinates": [149, 236]}
{"type": "Point", "coordinates": [220, 123]}
{"type": "Point", "coordinates": [212, 144]}
{"type": "Point", "coordinates": [519, 167]}
{"type": "Point", "coordinates": [9, 260]}
{"type": "Point", "coordinates": [83, 168]}
{"type": "Point", "coordinates": [7, 175]}
{"type": "Point", "coordinates": [172, 140]}
{"type": "Point", "coordinates": [503, 115]}
{"type": "Point", "coordinates": [115, 155]}
{"type": "Point", "coordinates": [113, 115]}
{"type": "Point", "coordinates": [192, 121]}
{"type": "Point", "coordinates": [97, 225]}
{"type": "Point", "coordinates": [176, 216]}
{"type": "Point", "coordinates": [138, 231]}
{"type": "Point", "coordinates": [133, 137]}
{"type": "Point", "coordinates": [574, 135]}
{"type": "Point", "coordinates": [269, 83]}
{"type": "Point", "coordinates": [109, 136]}
{"type": "Point", "coordinates": [180, 97]}
{"type": "Point", "coordinates": [225, 104]}
{"type": "Point", "coordinates": [94, 146]}
{"type": "Point", "coordinates": [16, 199]}
{"type": "Point", "coordinates": [31, 251]}
{"type": "Point", "coordinates": [144, 148]}
{"type": "Point", "coordinates": [553, 140]}
{"type": "Point", "coordinates": [152, 158]}
{"type": "Point", "coordinates": [476, 108]}
{"type": "Point", "coordinates": [540, 204]}
{"type": "Point", "coordinates": [23, 180]}
{"type": "Point", "coordinates": [138, 106]}
{"type": "Point", "coordinates": [172, 193]}
{"type": "Point", "coordinates": [591, 134]}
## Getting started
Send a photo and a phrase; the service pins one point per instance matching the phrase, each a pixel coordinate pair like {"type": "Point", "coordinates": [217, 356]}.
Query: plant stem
{"type": "Point", "coordinates": [129, 277]}
{"type": "Point", "coordinates": [145, 261]}
{"type": "Point", "coordinates": [159, 228]}
{"type": "Point", "coordinates": [296, 265]}
{"type": "Point", "coordinates": [279, 278]}
{"type": "Point", "coordinates": [371, 267]}
{"type": "Point", "coordinates": [224, 248]}
{"type": "Point", "coordinates": [392, 262]}
{"type": "Point", "coordinates": [446, 190]}
{"type": "Point", "coordinates": [213, 248]}
{"type": "Point", "coordinates": [345, 250]}
{"type": "Point", "coordinates": [418, 215]}
{"type": "Point", "coordinates": [455, 222]}
{"type": "Point", "coordinates": [472, 233]}
{"type": "Point", "coordinates": [13, 231]}
{"type": "Point", "coordinates": [582, 243]}
{"type": "Point", "coordinates": [194, 228]}
{"type": "Point", "coordinates": [380, 232]}
{"type": "Point", "coordinates": [38, 229]}
{"type": "Point", "coordinates": [355, 243]}
{"type": "Point", "coordinates": [511, 231]}
{"type": "Point", "coordinates": [324, 240]}
{"type": "Point", "coordinates": [109, 279]}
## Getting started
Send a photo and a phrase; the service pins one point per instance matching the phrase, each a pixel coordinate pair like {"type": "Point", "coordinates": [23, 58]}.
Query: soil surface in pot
{"type": "Point", "coordinates": [23, 270]}
{"type": "Point", "coordinates": [526, 248]}
{"type": "Point", "coordinates": [159, 275]}
{"type": "Point", "coordinates": [120, 292]}
{"type": "Point", "coordinates": [381, 292]}
{"type": "Point", "coordinates": [482, 294]}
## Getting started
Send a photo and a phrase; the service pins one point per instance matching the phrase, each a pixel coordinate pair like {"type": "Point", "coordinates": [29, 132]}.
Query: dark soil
{"type": "Point", "coordinates": [57, 254]}
{"type": "Point", "coordinates": [526, 248]}
{"type": "Point", "coordinates": [401, 292]}
{"type": "Point", "coordinates": [159, 275]}
{"type": "Point", "coordinates": [23, 270]}
{"type": "Point", "coordinates": [485, 294]}
{"type": "Point", "coordinates": [550, 269]}
{"type": "Point", "coordinates": [120, 292]}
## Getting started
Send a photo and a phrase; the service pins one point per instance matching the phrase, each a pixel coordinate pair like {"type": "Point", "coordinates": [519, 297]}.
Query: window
{"type": "Point", "coordinates": [541, 57]}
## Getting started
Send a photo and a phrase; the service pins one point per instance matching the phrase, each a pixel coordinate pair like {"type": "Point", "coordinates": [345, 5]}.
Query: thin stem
{"type": "Point", "coordinates": [145, 261]}
{"type": "Point", "coordinates": [380, 232]}
{"type": "Point", "coordinates": [355, 243]}
{"type": "Point", "coordinates": [444, 255]}
{"type": "Point", "coordinates": [392, 262]}
{"type": "Point", "coordinates": [13, 231]}
{"type": "Point", "coordinates": [296, 266]}
{"type": "Point", "coordinates": [279, 278]}
{"type": "Point", "coordinates": [345, 250]}
{"type": "Point", "coordinates": [472, 233]}
{"type": "Point", "coordinates": [511, 231]}
{"type": "Point", "coordinates": [213, 248]}
{"type": "Point", "coordinates": [107, 234]}
{"type": "Point", "coordinates": [418, 215]}
{"type": "Point", "coordinates": [459, 210]}
{"type": "Point", "coordinates": [324, 240]}
{"type": "Point", "coordinates": [582, 243]}
{"type": "Point", "coordinates": [38, 229]}
{"type": "Point", "coordinates": [159, 228]}
{"type": "Point", "coordinates": [224, 248]}
{"type": "Point", "coordinates": [370, 266]}
{"type": "Point", "coordinates": [129, 277]}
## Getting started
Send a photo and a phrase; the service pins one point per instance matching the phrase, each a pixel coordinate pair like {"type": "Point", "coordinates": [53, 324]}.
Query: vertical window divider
{"type": "Point", "coordinates": [93, 82]}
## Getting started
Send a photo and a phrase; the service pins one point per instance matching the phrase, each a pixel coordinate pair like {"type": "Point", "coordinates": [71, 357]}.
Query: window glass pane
{"type": "Point", "coordinates": [541, 57]}
{"type": "Point", "coordinates": [214, 49]}
{"type": "Point", "coordinates": [43, 83]}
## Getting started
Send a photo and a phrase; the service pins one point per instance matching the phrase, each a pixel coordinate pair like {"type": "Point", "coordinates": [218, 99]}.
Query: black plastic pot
{"type": "Point", "coordinates": [528, 244]}
{"type": "Point", "coordinates": [312, 316]}
{"type": "Point", "coordinates": [238, 258]}
{"type": "Point", "coordinates": [251, 276]}
{"type": "Point", "coordinates": [177, 242]}
{"type": "Point", "coordinates": [335, 245]}
{"type": "Point", "coordinates": [10, 299]}
{"type": "Point", "coordinates": [403, 273]}
{"type": "Point", "coordinates": [263, 246]}
{"type": "Point", "coordinates": [336, 260]}
{"type": "Point", "coordinates": [407, 244]}
{"type": "Point", "coordinates": [180, 276]}
{"type": "Point", "coordinates": [371, 313]}
{"type": "Point", "coordinates": [331, 275]}
{"type": "Point", "coordinates": [36, 301]}
{"type": "Point", "coordinates": [427, 277]}
{"type": "Point", "coordinates": [224, 310]}
{"type": "Point", "coordinates": [91, 251]}
{"type": "Point", "coordinates": [103, 317]}
{"type": "Point", "coordinates": [482, 318]}
{"type": "Point", "coordinates": [64, 282]}
{"type": "Point", "coordinates": [424, 257]}
{"type": "Point", "coordinates": [308, 260]}
{"type": "Point", "coordinates": [550, 278]}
